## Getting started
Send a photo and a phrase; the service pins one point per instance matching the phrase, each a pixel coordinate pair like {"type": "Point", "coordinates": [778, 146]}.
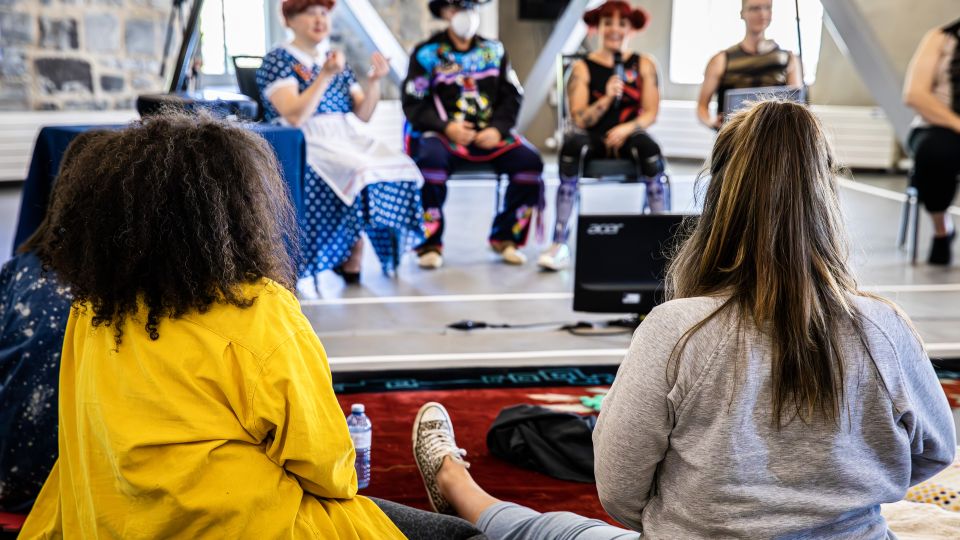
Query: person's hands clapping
{"type": "Point", "coordinates": [334, 64]}
{"type": "Point", "coordinates": [461, 132]}
{"type": "Point", "coordinates": [379, 67]}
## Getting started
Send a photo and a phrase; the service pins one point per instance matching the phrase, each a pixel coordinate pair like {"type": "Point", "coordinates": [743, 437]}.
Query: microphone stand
{"type": "Point", "coordinates": [796, 4]}
{"type": "Point", "coordinates": [176, 13]}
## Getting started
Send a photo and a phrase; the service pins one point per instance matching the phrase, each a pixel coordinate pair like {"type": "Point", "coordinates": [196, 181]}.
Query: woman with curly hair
{"type": "Point", "coordinates": [195, 397]}
{"type": "Point", "coordinates": [614, 97]}
{"type": "Point", "coordinates": [353, 183]}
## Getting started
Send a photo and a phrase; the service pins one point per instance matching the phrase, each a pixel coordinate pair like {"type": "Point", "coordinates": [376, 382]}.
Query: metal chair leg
{"type": "Point", "coordinates": [906, 209]}
{"type": "Point", "coordinates": [915, 204]}
{"type": "Point", "coordinates": [667, 192]}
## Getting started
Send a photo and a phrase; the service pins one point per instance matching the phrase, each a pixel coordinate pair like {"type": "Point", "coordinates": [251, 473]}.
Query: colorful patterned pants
{"type": "Point", "coordinates": [519, 160]}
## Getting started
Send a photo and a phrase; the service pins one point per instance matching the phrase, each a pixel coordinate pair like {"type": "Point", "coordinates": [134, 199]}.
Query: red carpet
{"type": "Point", "coordinates": [10, 523]}
{"type": "Point", "coordinates": [394, 475]}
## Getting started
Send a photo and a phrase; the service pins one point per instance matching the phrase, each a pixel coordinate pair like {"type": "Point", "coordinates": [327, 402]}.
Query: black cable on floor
{"type": "Point", "coordinates": [579, 328]}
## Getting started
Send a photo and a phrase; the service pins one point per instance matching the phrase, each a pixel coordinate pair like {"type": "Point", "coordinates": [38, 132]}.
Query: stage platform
{"type": "Point", "coordinates": [400, 323]}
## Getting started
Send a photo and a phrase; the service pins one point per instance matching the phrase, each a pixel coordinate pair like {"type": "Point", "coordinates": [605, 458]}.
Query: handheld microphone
{"type": "Point", "coordinates": [618, 71]}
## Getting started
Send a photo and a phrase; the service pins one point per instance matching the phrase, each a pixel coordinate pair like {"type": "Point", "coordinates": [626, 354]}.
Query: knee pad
{"type": "Point", "coordinates": [652, 166]}
{"type": "Point", "coordinates": [571, 153]}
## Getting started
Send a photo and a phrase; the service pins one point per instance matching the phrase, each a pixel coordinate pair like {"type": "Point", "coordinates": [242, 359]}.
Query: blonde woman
{"type": "Point", "coordinates": [770, 397]}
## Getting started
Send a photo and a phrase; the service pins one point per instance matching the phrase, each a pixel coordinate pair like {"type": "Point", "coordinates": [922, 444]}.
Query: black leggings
{"type": "Point", "coordinates": [936, 164]}
{"type": "Point", "coordinates": [579, 145]}
{"type": "Point", "coordinates": [418, 524]}
{"type": "Point", "coordinates": [639, 147]}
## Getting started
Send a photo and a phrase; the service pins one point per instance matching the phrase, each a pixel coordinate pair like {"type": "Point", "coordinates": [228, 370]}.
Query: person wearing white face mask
{"type": "Point", "coordinates": [461, 99]}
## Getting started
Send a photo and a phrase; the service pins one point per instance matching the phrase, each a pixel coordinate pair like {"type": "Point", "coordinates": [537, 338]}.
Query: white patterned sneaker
{"type": "Point", "coordinates": [556, 258]}
{"type": "Point", "coordinates": [430, 260]}
{"type": "Point", "coordinates": [432, 441]}
{"type": "Point", "coordinates": [512, 255]}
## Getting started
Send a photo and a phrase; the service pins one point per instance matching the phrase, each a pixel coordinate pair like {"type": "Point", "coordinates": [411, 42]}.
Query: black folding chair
{"type": "Point", "coordinates": [246, 68]}
{"type": "Point", "coordinates": [601, 170]}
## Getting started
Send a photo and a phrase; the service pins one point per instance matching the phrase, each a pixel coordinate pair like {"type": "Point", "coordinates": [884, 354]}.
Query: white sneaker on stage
{"type": "Point", "coordinates": [430, 260]}
{"type": "Point", "coordinates": [511, 255]}
{"type": "Point", "coordinates": [555, 258]}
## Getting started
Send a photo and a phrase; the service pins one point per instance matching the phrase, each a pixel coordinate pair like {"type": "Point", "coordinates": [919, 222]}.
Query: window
{"type": "Point", "coordinates": [245, 27]}
{"type": "Point", "coordinates": [702, 28]}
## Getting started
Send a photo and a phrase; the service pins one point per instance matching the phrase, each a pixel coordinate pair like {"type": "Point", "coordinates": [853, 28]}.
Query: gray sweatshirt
{"type": "Point", "coordinates": [701, 458]}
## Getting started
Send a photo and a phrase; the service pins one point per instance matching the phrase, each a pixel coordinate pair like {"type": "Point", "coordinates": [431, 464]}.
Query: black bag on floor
{"type": "Point", "coordinates": [557, 444]}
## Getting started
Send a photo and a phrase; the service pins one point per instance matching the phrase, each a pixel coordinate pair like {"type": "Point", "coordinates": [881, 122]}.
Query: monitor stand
{"type": "Point", "coordinates": [219, 103]}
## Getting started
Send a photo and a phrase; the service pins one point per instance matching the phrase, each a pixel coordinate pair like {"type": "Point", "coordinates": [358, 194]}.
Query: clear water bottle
{"type": "Point", "coordinates": [658, 194]}
{"type": "Point", "coordinates": [361, 431]}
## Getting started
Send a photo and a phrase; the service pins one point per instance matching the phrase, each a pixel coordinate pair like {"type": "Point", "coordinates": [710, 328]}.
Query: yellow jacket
{"type": "Point", "coordinates": [225, 427]}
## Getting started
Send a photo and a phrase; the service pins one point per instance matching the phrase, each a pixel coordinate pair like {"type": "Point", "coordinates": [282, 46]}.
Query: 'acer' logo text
{"type": "Point", "coordinates": [604, 229]}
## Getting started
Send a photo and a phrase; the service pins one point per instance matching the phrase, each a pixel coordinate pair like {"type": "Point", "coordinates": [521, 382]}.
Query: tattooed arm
{"type": "Point", "coordinates": [651, 93]}
{"type": "Point", "coordinates": [578, 95]}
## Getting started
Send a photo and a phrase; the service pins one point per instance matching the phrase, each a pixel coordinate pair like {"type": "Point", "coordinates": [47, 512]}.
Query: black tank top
{"type": "Point", "coordinates": [630, 104]}
{"type": "Point", "coordinates": [745, 70]}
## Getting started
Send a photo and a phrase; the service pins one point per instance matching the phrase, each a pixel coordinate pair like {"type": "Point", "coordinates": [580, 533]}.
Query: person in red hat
{"type": "Point", "coordinates": [354, 184]}
{"type": "Point", "coordinates": [461, 98]}
{"type": "Point", "coordinates": [613, 97]}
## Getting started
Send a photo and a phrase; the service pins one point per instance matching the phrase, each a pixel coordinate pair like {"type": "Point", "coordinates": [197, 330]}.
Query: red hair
{"type": "Point", "coordinates": [638, 17]}
{"type": "Point", "coordinates": [292, 8]}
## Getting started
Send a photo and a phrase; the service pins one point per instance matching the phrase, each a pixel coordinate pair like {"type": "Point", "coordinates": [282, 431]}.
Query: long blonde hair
{"type": "Point", "coordinates": [772, 239]}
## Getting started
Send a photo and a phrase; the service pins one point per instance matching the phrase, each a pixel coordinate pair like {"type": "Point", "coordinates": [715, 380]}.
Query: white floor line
{"type": "Point", "coordinates": [423, 360]}
{"type": "Point", "coordinates": [441, 298]}
{"type": "Point", "coordinates": [914, 288]}
{"type": "Point", "coordinates": [882, 192]}
{"type": "Point", "coordinates": [482, 356]}
{"type": "Point", "coordinates": [872, 190]}
{"type": "Point", "coordinates": [546, 296]}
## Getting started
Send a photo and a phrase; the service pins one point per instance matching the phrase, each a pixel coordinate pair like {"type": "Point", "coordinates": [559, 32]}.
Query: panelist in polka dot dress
{"type": "Point", "coordinates": [353, 183]}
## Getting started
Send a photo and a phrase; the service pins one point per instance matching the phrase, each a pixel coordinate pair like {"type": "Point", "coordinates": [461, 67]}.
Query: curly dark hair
{"type": "Point", "coordinates": [173, 213]}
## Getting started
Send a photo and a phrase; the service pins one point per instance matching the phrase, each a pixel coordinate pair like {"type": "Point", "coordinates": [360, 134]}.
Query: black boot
{"type": "Point", "coordinates": [350, 278]}
{"type": "Point", "coordinates": [940, 251]}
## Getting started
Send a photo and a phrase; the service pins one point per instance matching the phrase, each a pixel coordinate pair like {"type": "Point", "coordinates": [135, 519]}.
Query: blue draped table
{"type": "Point", "coordinates": [288, 144]}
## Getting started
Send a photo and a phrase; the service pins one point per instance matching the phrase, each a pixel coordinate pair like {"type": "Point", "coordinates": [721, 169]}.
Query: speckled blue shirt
{"type": "Point", "coordinates": [33, 313]}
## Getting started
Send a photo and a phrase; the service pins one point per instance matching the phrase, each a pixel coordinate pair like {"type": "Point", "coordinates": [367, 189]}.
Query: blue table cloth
{"type": "Point", "coordinates": [52, 142]}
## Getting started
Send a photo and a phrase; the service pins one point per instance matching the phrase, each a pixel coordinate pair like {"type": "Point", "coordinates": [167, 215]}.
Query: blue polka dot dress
{"type": "Point", "coordinates": [344, 195]}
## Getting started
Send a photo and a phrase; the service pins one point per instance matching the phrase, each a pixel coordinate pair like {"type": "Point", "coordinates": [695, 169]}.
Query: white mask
{"type": "Point", "coordinates": [465, 23]}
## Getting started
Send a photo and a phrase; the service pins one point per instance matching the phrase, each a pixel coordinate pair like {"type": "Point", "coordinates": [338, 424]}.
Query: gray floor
{"type": "Point", "coordinates": [377, 325]}
{"type": "Point", "coordinates": [399, 323]}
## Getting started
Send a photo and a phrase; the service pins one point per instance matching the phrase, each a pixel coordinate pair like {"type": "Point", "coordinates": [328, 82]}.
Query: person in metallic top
{"type": "Point", "coordinates": [753, 63]}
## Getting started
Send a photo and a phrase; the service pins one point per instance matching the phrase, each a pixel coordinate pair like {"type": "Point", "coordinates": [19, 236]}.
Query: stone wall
{"type": "Point", "coordinates": [80, 54]}
{"type": "Point", "coordinates": [409, 20]}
